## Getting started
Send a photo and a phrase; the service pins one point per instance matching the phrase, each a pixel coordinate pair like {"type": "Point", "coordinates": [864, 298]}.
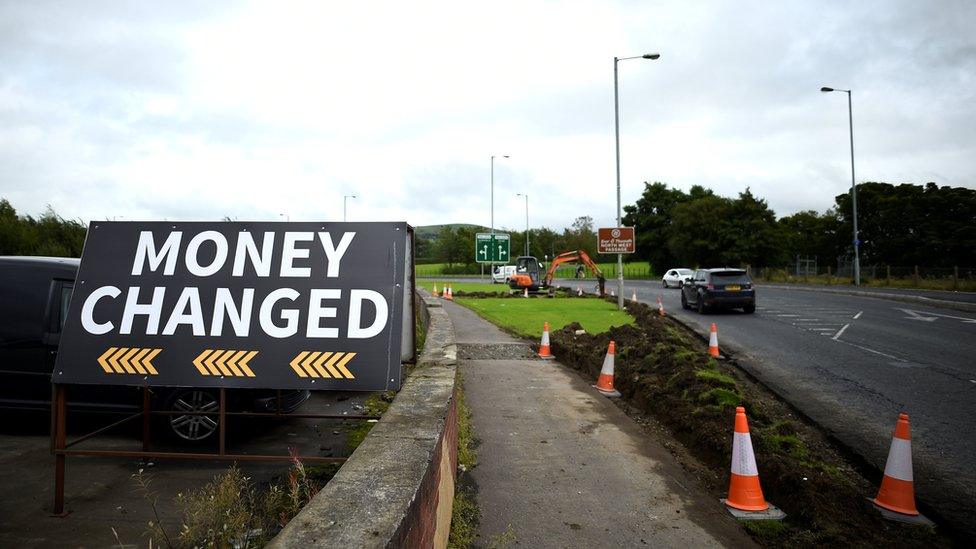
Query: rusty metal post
{"type": "Point", "coordinates": [146, 417]}
{"type": "Point", "coordinates": [222, 419]}
{"type": "Point", "coordinates": [59, 434]}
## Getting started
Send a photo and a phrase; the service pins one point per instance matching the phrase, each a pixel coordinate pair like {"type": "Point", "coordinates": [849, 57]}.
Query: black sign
{"type": "Point", "coordinates": [257, 305]}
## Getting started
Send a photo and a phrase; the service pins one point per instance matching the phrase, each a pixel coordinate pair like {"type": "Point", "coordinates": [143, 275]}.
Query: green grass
{"type": "Point", "coordinates": [466, 286]}
{"type": "Point", "coordinates": [526, 316]}
{"type": "Point", "coordinates": [715, 376]}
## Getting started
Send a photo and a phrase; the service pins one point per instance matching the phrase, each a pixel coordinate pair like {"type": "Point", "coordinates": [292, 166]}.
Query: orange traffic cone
{"type": "Point", "coordinates": [544, 344]}
{"type": "Point", "coordinates": [604, 383]}
{"type": "Point", "coordinates": [897, 492]}
{"type": "Point", "coordinates": [435, 291]}
{"type": "Point", "coordinates": [660, 309]}
{"type": "Point", "coordinates": [449, 294]}
{"type": "Point", "coordinates": [525, 293]}
{"type": "Point", "coordinates": [633, 297]}
{"type": "Point", "coordinates": [579, 291]}
{"type": "Point", "coordinates": [713, 342]}
{"type": "Point", "coordinates": [745, 493]}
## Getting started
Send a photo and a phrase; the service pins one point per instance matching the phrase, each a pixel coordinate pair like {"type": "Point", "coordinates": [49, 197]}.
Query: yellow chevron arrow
{"type": "Point", "coordinates": [102, 360]}
{"type": "Point", "coordinates": [307, 363]}
{"type": "Point", "coordinates": [341, 366]}
{"type": "Point", "coordinates": [295, 364]}
{"type": "Point", "coordinates": [244, 366]}
{"type": "Point", "coordinates": [128, 365]}
{"type": "Point", "coordinates": [198, 362]}
{"type": "Point", "coordinates": [209, 362]}
{"type": "Point", "coordinates": [114, 360]}
{"type": "Point", "coordinates": [221, 362]}
{"type": "Point", "coordinates": [318, 364]}
{"type": "Point", "coordinates": [147, 362]}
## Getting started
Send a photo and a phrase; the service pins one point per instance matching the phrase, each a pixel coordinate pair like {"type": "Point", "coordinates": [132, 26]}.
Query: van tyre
{"type": "Point", "coordinates": [192, 428]}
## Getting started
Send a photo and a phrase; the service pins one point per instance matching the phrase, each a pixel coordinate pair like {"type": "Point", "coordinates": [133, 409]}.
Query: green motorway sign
{"type": "Point", "coordinates": [491, 248]}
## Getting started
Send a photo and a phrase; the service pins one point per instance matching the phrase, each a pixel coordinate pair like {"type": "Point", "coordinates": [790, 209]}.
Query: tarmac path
{"type": "Point", "coordinates": [559, 465]}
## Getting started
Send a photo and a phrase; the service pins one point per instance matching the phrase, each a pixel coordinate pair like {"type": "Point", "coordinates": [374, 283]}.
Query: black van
{"type": "Point", "coordinates": [34, 296]}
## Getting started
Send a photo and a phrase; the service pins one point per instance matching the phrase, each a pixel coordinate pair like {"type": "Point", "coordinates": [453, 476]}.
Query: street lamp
{"type": "Point", "coordinates": [616, 129]}
{"type": "Point", "coordinates": [526, 222]}
{"type": "Point", "coordinates": [344, 205]}
{"type": "Point", "coordinates": [857, 243]}
{"type": "Point", "coordinates": [493, 191]}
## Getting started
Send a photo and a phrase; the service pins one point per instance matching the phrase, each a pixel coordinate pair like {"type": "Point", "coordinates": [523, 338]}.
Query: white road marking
{"type": "Point", "coordinates": [918, 315]}
{"type": "Point", "coordinates": [823, 329]}
{"type": "Point", "coordinates": [858, 315]}
{"type": "Point", "coordinates": [871, 350]}
{"type": "Point", "coordinates": [841, 332]}
{"type": "Point", "coordinates": [789, 315]}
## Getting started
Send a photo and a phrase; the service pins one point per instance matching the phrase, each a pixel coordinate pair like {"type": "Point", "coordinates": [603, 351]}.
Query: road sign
{"type": "Point", "coordinates": [616, 240]}
{"type": "Point", "coordinates": [240, 305]}
{"type": "Point", "coordinates": [491, 248]}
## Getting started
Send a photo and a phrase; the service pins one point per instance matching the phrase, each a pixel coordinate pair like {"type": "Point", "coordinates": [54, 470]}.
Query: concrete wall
{"type": "Point", "coordinates": [397, 488]}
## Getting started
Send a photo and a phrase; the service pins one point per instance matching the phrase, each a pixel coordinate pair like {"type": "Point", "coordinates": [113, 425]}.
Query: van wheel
{"type": "Point", "coordinates": [193, 428]}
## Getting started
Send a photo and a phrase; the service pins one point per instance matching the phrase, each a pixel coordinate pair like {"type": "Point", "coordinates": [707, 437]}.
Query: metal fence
{"type": "Point", "coordinates": [808, 271]}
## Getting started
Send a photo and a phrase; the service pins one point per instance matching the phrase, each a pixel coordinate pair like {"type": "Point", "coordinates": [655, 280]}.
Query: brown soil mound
{"type": "Point", "coordinates": [664, 371]}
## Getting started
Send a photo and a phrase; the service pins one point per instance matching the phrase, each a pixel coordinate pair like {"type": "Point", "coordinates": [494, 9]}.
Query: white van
{"type": "Point", "coordinates": [500, 274]}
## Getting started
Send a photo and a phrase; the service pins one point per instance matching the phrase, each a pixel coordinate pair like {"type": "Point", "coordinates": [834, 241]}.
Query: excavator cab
{"type": "Point", "coordinates": [528, 274]}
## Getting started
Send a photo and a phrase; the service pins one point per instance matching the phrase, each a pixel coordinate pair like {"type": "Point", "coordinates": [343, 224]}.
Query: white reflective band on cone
{"type": "Point", "coordinates": [713, 340]}
{"type": "Point", "coordinates": [899, 464]}
{"type": "Point", "coordinates": [743, 459]}
{"type": "Point", "coordinates": [607, 369]}
{"type": "Point", "coordinates": [545, 338]}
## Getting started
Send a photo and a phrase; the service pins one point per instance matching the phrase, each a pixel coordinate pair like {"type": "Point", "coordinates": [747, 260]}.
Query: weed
{"type": "Point", "coordinates": [716, 377]}
{"type": "Point", "coordinates": [464, 521]}
{"type": "Point", "coordinates": [722, 398]}
{"type": "Point", "coordinates": [766, 530]}
{"type": "Point", "coordinates": [465, 514]}
{"type": "Point", "coordinates": [375, 405]}
{"type": "Point", "coordinates": [506, 538]}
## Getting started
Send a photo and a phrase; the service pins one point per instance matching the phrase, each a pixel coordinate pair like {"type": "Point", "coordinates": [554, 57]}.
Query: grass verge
{"type": "Point", "coordinates": [465, 513]}
{"type": "Point", "coordinates": [525, 317]}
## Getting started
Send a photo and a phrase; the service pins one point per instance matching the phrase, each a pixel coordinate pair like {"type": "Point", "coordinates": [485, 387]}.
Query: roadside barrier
{"type": "Point", "coordinates": [604, 383]}
{"type": "Point", "coordinates": [713, 342]}
{"type": "Point", "coordinates": [660, 306]}
{"type": "Point", "coordinates": [745, 493]}
{"type": "Point", "coordinates": [897, 492]}
{"type": "Point", "coordinates": [544, 351]}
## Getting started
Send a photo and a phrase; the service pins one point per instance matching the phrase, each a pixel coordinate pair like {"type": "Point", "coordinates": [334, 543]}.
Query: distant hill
{"type": "Point", "coordinates": [430, 231]}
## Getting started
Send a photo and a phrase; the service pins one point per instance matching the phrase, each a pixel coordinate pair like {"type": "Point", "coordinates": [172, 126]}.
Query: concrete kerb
{"type": "Point", "coordinates": [917, 299]}
{"type": "Point", "coordinates": [397, 488]}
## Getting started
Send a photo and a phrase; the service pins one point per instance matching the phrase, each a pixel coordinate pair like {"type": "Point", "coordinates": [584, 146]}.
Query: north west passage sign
{"type": "Point", "coordinates": [259, 305]}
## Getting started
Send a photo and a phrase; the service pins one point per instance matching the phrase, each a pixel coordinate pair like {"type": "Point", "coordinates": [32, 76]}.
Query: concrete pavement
{"type": "Point", "coordinates": [565, 467]}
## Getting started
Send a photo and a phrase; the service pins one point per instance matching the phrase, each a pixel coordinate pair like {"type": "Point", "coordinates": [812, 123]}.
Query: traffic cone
{"type": "Point", "coordinates": [897, 492]}
{"type": "Point", "coordinates": [604, 383]}
{"type": "Point", "coordinates": [449, 294]}
{"type": "Point", "coordinates": [525, 293]}
{"type": "Point", "coordinates": [713, 342]}
{"type": "Point", "coordinates": [745, 493]}
{"type": "Point", "coordinates": [633, 297]}
{"type": "Point", "coordinates": [579, 291]}
{"type": "Point", "coordinates": [435, 291]}
{"type": "Point", "coordinates": [660, 310]}
{"type": "Point", "coordinates": [544, 344]}
{"type": "Point", "coordinates": [613, 293]}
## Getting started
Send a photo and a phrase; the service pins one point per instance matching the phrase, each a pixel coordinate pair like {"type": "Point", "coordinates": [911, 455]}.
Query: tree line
{"type": "Point", "coordinates": [47, 235]}
{"type": "Point", "coordinates": [901, 225]}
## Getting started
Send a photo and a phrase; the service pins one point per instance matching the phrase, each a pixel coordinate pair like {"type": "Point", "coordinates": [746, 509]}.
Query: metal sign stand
{"type": "Point", "coordinates": [62, 448]}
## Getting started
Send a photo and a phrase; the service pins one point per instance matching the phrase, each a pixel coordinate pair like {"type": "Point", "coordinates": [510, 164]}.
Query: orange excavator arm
{"type": "Point", "coordinates": [575, 256]}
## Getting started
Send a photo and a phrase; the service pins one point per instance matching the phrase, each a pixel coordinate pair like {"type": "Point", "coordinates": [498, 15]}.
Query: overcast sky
{"type": "Point", "coordinates": [200, 110]}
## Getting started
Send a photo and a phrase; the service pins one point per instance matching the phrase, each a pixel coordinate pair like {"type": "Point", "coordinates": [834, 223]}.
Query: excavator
{"type": "Point", "coordinates": [528, 271]}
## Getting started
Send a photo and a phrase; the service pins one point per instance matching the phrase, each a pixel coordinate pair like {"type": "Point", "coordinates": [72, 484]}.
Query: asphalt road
{"type": "Point", "coordinates": [852, 364]}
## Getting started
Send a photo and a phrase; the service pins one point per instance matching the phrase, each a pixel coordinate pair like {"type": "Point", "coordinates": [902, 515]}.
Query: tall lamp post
{"type": "Point", "coordinates": [344, 205]}
{"type": "Point", "coordinates": [616, 129]}
{"type": "Point", "coordinates": [526, 222]}
{"type": "Point", "coordinates": [493, 191]}
{"type": "Point", "coordinates": [857, 242]}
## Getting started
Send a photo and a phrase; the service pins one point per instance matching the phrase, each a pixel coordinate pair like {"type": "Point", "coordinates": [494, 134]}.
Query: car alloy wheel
{"type": "Point", "coordinates": [194, 427]}
{"type": "Point", "coordinates": [664, 283]}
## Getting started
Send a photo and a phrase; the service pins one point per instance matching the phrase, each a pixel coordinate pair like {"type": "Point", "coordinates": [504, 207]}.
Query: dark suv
{"type": "Point", "coordinates": [34, 295]}
{"type": "Point", "coordinates": [719, 288]}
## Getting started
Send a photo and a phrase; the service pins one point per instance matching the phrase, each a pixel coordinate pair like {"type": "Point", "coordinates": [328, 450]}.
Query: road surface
{"type": "Point", "coordinates": [852, 364]}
